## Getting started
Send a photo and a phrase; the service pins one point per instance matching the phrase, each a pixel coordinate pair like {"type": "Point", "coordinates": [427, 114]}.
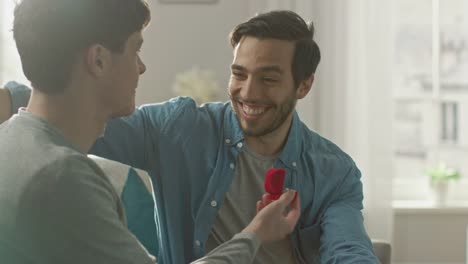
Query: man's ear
{"type": "Point", "coordinates": [304, 87]}
{"type": "Point", "coordinates": [97, 59]}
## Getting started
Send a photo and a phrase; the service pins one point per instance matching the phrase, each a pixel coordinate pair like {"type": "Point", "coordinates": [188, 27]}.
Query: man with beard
{"type": "Point", "coordinates": [207, 162]}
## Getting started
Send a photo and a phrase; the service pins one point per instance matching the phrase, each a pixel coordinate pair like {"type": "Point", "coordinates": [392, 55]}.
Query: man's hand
{"type": "Point", "coordinates": [271, 222]}
{"type": "Point", "coordinates": [5, 105]}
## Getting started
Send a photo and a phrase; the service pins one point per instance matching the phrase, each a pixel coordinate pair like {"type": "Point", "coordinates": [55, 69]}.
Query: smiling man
{"type": "Point", "coordinates": [209, 162]}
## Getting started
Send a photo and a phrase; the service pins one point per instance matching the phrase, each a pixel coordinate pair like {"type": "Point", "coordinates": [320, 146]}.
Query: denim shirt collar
{"type": "Point", "coordinates": [292, 150]}
{"type": "Point", "coordinates": [232, 131]}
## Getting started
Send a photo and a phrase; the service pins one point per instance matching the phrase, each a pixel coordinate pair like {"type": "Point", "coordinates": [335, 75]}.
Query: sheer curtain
{"type": "Point", "coordinates": [10, 64]}
{"type": "Point", "coordinates": [351, 98]}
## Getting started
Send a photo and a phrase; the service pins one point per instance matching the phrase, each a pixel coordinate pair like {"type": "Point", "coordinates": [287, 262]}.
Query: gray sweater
{"type": "Point", "coordinates": [57, 206]}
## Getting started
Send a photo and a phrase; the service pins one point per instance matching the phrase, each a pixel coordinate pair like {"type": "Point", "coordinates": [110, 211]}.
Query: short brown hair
{"type": "Point", "coordinates": [49, 34]}
{"type": "Point", "coordinates": [284, 25]}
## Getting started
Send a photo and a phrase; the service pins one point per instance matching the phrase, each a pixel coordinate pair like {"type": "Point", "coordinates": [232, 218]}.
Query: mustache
{"type": "Point", "coordinates": [237, 98]}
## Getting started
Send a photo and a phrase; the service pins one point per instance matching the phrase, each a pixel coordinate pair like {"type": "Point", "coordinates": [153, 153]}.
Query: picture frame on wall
{"type": "Point", "coordinates": [188, 1]}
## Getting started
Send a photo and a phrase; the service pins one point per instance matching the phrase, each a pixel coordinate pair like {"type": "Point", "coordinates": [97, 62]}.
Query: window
{"type": "Point", "coordinates": [430, 94]}
{"type": "Point", "coordinates": [10, 64]}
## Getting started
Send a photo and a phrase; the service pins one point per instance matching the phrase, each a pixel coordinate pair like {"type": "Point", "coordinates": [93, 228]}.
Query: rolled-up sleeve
{"type": "Point", "coordinates": [344, 238]}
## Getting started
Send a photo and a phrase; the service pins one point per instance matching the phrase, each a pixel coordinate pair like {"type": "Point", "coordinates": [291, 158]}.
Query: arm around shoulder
{"type": "Point", "coordinates": [135, 140]}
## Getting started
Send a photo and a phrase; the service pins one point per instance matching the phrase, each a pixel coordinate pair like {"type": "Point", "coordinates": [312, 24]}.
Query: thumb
{"type": "Point", "coordinates": [295, 210]}
{"type": "Point", "coordinates": [287, 197]}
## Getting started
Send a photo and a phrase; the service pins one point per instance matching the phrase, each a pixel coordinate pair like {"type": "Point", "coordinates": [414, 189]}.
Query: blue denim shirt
{"type": "Point", "coordinates": [190, 153]}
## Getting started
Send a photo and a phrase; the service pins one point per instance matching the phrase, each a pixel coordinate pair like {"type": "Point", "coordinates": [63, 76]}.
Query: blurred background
{"type": "Point", "coordinates": [391, 90]}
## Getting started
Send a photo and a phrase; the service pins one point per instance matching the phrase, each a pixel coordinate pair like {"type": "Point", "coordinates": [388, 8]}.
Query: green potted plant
{"type": "Point", "coordinates": [439, 176]}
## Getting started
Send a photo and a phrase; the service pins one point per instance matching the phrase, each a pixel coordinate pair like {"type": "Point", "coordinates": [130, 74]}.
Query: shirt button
{"type": "Point", "coordinates": [197, 243]}
{"type": "Point", "coordinates": [232, 166]}
{"type": "Point", "coordinates": [228, 141]}
{"type": "Point", "coordinates": [239, 145]}
{"type": "Point", "coordinates": [214, 203]}
{"type": "Point", "coordinates": [294, 164]}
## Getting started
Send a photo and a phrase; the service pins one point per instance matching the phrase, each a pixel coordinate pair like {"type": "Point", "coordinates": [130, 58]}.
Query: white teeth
{"type": "Point", "coordinates": [253, 110]}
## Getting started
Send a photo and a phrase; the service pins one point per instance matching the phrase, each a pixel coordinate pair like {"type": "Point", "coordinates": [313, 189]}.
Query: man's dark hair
{"type": "Point", "coordinates": [50, 34]}
{"type": "Point", "coordinates": [284, 25]}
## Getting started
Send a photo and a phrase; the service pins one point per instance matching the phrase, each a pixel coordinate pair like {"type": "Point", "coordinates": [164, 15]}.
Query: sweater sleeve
{"type": "Point", "coordinates": [242, 248]}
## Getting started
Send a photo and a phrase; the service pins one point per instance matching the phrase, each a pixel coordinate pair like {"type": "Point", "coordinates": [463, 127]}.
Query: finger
{"type": "Point", "coordinates": [260, 206]}
{"type": "Point", "coordinates": [295, 211]}
{"type": "Point", "coordinates": [286, 198]}
{"type": "Point", "coordinates": [296, 203]}
{"type": "Point", "coordinates": [266, 199]}
{"type": "Point", "coordinates": [295, 197]}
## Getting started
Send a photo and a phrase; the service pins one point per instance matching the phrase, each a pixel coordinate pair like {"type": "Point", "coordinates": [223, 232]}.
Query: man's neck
{"type": "Point", "coordinates": [75, 116]}
{"type": "Point", "coordinates": [270, 144]}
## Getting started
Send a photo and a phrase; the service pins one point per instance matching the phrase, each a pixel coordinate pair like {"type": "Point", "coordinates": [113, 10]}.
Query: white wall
{"type": "Point", "coordinates": [183, 35]}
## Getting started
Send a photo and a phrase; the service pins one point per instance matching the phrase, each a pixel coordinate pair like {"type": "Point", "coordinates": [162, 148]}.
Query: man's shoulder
{"type": "Point", "coordinates": [59, 172]}
{"type": "Point", "coordinates": [41, 149]}
{"type": "Point", "coordinates": [72, 177]}
{"type": "Point", "coordinates": [71, 168]}
{"type": "Point", "coordinates": [324, 151]}
{"type": "Point", "coordinates": [329, 165]}
{"type": "Point", "coordinates": [70, 160]}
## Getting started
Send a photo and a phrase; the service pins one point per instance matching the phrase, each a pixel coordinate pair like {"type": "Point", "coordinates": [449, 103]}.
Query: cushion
{"type": "Point", "coordinates": [136, 192]}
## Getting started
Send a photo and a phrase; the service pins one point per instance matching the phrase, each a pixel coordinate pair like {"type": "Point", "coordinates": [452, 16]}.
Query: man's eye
{"type": "Point", "coordinates": [238, 75]}
{"type": "Point", "coordinates": [270, 80]}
